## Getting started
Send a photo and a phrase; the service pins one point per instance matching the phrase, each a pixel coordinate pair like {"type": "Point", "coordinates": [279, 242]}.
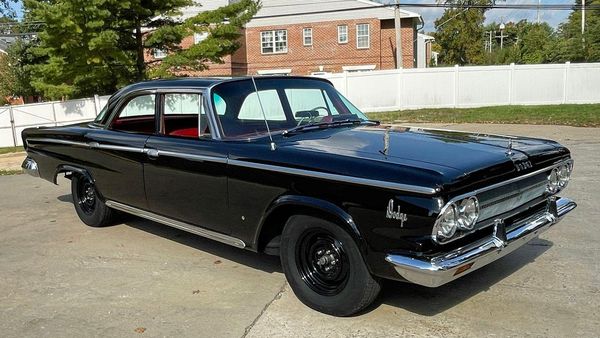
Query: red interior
{"type": "Point", "coordinates": [179, 125]}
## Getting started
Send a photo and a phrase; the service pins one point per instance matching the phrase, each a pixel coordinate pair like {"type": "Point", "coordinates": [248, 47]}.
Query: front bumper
{"type": "Point", "coordinates": [441, 269]}
{"type": "Point", "coordinates": [30, 167]}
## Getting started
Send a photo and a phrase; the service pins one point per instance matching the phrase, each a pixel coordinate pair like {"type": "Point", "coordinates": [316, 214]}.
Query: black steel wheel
{"type": "Point", "coordinates": [88, 204]}
{"type": "Point", "coordinates": [325, 267]}
{"type": "Point", "coordinates": [322, 263]}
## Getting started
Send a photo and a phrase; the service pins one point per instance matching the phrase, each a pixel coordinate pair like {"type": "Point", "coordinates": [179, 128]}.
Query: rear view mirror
{"type": "Point", "coordinates": [305, 114]}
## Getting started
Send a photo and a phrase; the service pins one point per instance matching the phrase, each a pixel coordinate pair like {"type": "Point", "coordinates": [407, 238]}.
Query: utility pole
{"type": "Point", "coordinates": [398, 28]}
{"type": "Point", "coordinates": [489, 42]}
{"type": "Point", "coordinates": [502, 35]}
{"type": "Point", "coordinates": [538, 11]}
{"type": "Point", "coordinates": [582, 16]}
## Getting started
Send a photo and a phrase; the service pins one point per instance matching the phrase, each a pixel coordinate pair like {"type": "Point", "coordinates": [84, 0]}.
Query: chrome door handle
{"type": "Point", "coordinates": [152, 153]}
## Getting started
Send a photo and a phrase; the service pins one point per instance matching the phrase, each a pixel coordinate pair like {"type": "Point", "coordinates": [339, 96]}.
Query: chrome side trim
{"type": "Point", "coordinates": [177, 224]}
{"type": "Point", "coordinates": [193, 157]}
{"type": "Point", "coordinates": [95, 145]}
{"type": "Point", "coordinates": [336, 177]}
{"type": "Point", "coordinates": [441, 269]}
{"type": "Point", "coordinates": [58, 141]}
{"type": "Point", "coordinates": [30, 167]}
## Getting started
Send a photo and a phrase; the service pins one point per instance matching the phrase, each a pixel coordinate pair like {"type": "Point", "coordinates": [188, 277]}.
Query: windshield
{"type": "Point", "coordinates": [287, 103]}
{"type": "Point", "coordinates": [101, 115]}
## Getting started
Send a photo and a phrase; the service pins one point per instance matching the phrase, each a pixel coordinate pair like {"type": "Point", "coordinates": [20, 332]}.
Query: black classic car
{"type": "Point", "coordinates": [287, 166]}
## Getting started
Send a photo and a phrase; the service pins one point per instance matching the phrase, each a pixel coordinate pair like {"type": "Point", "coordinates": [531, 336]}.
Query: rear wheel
{"type": "Point", "coordinates": [325, 268]}
{"type": "Point", "coordinates": [88, 205]}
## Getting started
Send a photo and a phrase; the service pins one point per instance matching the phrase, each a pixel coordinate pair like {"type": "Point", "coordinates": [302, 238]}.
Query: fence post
{"type": "Point", "coordinates": [54, 115]}
{"type": "Point", "coordinates": [12, 125]}
{"type": "Point", "coordinates": [511, 83]}
{"type": "Point", "coordinates": [399, 101]}
{"type": "Point", "coordinates": [565, 80]}
{"type": "Point", "coordinates": [97, 104]}
{"type": "Point", "coordinates": [455, 86]}
{"type": "Point", "coordinates": [345, 83]}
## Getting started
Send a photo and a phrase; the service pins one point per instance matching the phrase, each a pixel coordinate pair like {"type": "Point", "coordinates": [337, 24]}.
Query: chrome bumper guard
{"type": "Point", "coordinates": [30, 167]}
{"type": "Point", "coordinates": [439, 270]}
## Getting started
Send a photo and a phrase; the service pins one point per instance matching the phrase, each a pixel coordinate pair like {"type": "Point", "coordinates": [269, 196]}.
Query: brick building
{"type": "Point", "coordinates": [306, 37]}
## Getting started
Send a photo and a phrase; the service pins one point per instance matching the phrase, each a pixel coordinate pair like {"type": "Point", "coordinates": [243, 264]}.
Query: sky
{"type": "Point", "coordinates": [554, 18]}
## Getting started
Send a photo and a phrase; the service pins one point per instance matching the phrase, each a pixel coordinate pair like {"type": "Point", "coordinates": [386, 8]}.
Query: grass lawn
{"type": "Point", "coordinates": [579, 115]}
{"type": "Point", "coordinates": [4, 172]}
{"type": "Point", "coordinates": [10, 150]}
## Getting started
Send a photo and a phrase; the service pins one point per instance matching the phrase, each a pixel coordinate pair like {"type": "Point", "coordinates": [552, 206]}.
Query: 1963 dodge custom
{"type": "Point", "coordinates": [289, 167]}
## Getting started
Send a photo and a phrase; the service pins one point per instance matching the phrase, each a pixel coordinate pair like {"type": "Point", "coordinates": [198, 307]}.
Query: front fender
{"type": "Point", "coordinates": [335, 213]}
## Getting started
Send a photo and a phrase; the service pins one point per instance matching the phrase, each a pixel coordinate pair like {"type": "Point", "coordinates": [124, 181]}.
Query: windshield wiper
{"type": "Point", "coordinates": [324, 125]}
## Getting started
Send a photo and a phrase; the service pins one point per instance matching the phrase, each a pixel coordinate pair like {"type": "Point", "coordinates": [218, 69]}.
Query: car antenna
{"type": "Point", "coordinates": [273, 147]}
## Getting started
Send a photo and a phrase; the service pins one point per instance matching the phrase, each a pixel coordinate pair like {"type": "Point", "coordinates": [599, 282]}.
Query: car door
{"type": "Point", "coordinates": [118, 150]}
{"type": "Point", "coordinates": [185, 174]}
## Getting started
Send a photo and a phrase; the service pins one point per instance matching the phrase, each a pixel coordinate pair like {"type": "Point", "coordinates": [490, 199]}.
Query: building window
{"type": "Point", "coordinates": [343, 34]}
{"type": "Point", "coordinates": [159, 54]}
{"type": "Point", "coordinates": [199, 37]}
{"type": "Point", "coordinates": [307, 36]}
{"type": "Point", "coordinates": [272, 42]}
{"type": "Point", "coordinates": [363, 39]}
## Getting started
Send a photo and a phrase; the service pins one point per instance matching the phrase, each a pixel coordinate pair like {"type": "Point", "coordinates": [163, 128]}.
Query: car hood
{"type": "Point", "coordinates": [454, 155]}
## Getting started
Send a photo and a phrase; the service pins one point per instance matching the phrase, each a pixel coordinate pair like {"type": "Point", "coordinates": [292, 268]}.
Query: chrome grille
{"type": "Point", "coordinates": [508, 197]}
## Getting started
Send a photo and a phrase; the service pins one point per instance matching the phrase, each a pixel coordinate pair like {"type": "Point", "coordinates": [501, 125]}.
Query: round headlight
{"type": "Point", "coordinates": [553, 181]}
{"type": "Point", "coordinates": [447, 222]}
{"type": "Point", "coordinates": [564, 174]}
{"type": "Point", "coordinates": [468, 212]}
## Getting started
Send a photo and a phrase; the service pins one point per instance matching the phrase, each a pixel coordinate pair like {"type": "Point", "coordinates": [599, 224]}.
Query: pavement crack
{"type": "Point", "coordinates": [277, 296]}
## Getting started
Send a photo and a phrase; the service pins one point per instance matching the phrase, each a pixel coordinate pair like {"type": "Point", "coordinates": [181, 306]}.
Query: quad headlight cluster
{"type": "Point", "coordinates": [458, 216]}
{"type": "Point", "coordinates": [559, 178]}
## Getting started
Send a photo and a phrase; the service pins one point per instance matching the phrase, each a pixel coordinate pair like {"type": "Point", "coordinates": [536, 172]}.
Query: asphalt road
{"type": "Point", "coordinates": [59, 278]}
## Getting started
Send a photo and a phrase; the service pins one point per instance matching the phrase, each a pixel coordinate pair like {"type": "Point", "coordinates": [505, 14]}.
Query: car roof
{"type": "Point", "coordinates": [199, 82]}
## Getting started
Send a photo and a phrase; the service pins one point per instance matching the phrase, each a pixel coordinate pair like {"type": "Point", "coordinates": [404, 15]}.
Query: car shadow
{"type": "Point", "coordinates": [414, 298]}
{"type": "Point", "coordinates": [68, 198]}
{"type": "Point", "coordinates": [432, 301]}
{"type": "Point", "coordinates": [248, 258]}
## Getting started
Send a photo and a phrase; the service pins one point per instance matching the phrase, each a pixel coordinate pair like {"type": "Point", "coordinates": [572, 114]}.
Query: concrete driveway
{"type": "Point", "coordinates": [60, 278]}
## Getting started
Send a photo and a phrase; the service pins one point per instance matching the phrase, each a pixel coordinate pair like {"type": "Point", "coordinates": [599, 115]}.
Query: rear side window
{"type": "Point", "coordinates": [139, 106]}
{"type": "Point", "coordinates": [137, 116]}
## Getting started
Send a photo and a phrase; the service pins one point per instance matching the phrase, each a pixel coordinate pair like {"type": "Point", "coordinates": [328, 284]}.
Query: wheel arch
{"type": "Point", "coordinates": [67, 168]}
{"type": "Point", "coordinates": [272, 223]}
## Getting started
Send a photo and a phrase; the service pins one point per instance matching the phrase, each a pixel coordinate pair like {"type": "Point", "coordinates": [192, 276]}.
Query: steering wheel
{"type": "Point", "coordinates": [324, 108]}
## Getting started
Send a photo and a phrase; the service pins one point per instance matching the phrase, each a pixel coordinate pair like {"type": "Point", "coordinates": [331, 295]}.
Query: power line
{"type": "Point", "coordinates": [546, 7]}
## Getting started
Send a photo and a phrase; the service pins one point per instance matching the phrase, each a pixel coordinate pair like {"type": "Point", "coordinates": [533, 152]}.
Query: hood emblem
{"type": "Point", "coordinates": [394, 213]}
{"type": "Point", "coordinates": [386, 141]}
{"type": "Point", "coordinates": [509, 151]}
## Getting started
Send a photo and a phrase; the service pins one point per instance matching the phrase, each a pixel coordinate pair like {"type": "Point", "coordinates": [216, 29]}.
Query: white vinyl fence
{"type": "Point", "coordinates": [13, 119]}
{"type": "Point", "coordinates": [380, 91]}
{"type": "Point", "coordinates": [462, 87]}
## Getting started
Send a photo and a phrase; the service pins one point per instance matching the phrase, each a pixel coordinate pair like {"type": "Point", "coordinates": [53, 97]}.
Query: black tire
{"type": "Point", "coordinates": [89, 206]}
{"type": "Point", "coordinates": [309, 245]}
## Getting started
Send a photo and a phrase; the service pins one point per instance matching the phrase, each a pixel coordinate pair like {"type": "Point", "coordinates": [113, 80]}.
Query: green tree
{"type": "Point", "coordinates": [15, 75]}
{"type": "Point", "coordinates": [524, 42]}
{"type": "Point", "coordinates": [459, 32]}
{"type": "Point", "coordinates": [224, 28]}
{"type": "Point", "coordinates": [96, 46]}
{"type": "Point", "coordinates": [573, 46]}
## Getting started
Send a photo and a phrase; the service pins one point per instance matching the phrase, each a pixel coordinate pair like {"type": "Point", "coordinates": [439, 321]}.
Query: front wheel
{"type": "Point", "coordinates": [88, 205]}
{"type": "Point", "coordinates": [325, 268]}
